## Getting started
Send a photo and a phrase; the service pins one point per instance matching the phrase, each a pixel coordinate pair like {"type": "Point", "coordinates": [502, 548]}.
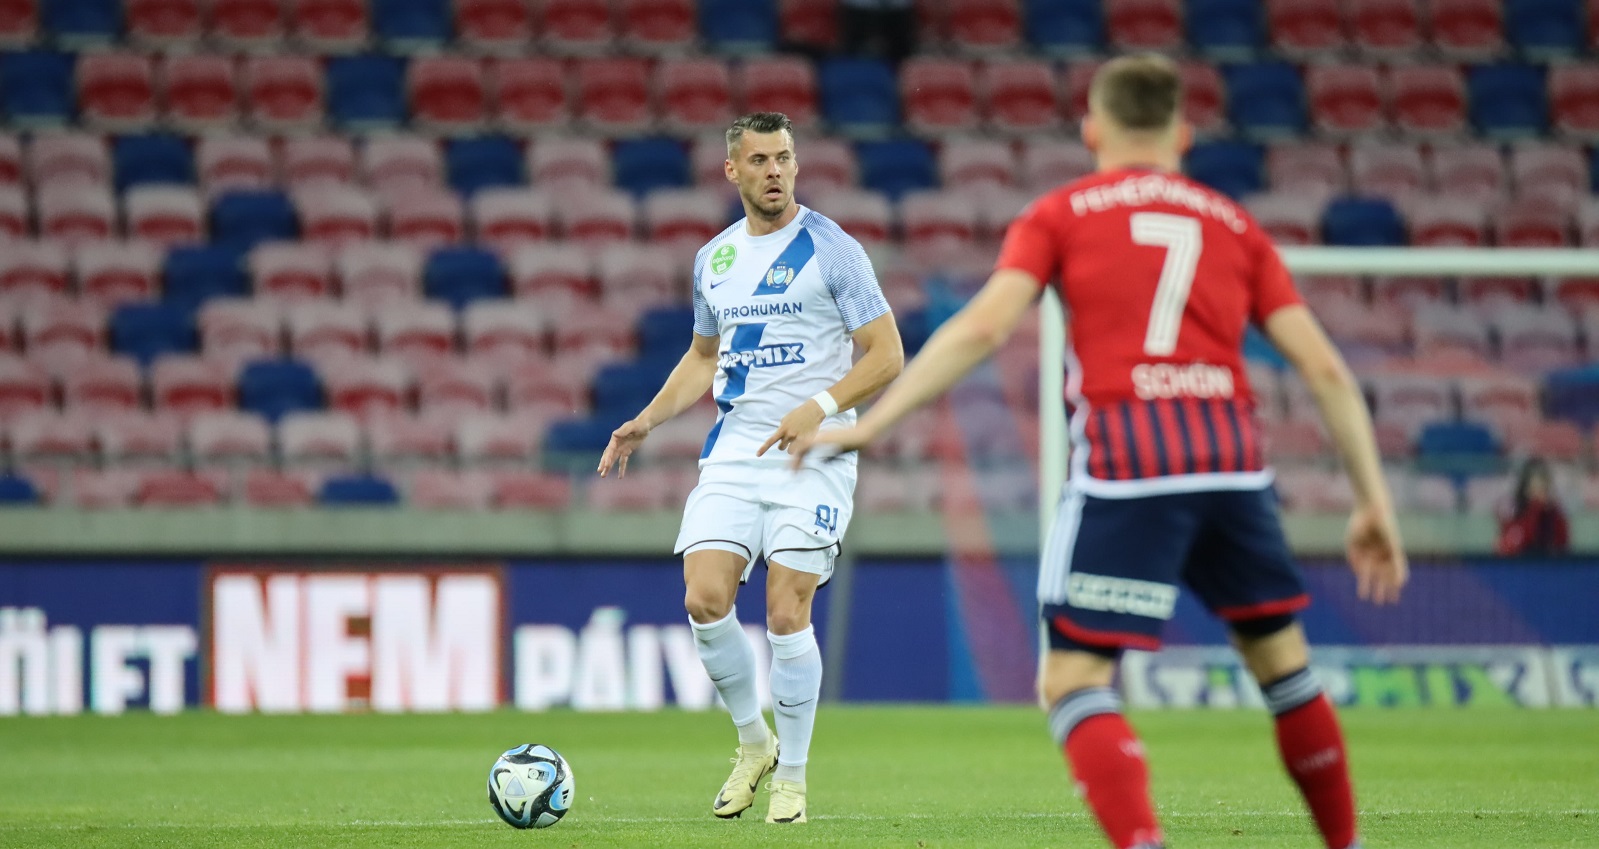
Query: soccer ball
{"type": "Point", "coordinates": [530, 786]}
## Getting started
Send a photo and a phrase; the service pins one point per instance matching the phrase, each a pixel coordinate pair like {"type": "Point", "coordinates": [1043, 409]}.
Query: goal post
{"type": "Point", "coordinates": [1399, 262]}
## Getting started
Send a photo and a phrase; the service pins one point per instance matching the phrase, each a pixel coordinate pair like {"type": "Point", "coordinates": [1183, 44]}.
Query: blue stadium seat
{"type": "Point", "coordinates": [859, 96]}
{"type": "Point", "coordinates": [745, 26]}
{"type": "Point", "coordinates": [243, 219]}
{"type": "Point", "coordinates": [1233, 168]}
{"type": "Point", "coordinates": [1508, 100]}
{"type": "Point", "coordinates": [1266, 100]}
{"type": "Point", "coordinates": [272, 388]}
{"type": "Point", "coordinates": [194, 274]}
{"type": "Point", "coordinates": [665, 332]}
{"type": "Point", "coordinates": [896, 167]}
{"type": "Point", "coordinates": [145, 331]}
{"type": "Point", "coordinates": [578, 437]}
{"type": "Point", "coordinates": [1362, 223]}
{"type": "Point", "coordinates": [79, 22]}
{"type": "Point", "coordinates": [1573, 393]}
{"type": "Point", "coordinates": [913, 330]}
{"type": "Point", "coordinates": [366, 91]}
{"type": "Point", "coordinates": [463, 275]}
{"type": "Point", "coordinates": [1225, 28]}
{"type": "Point", "coordinates": [1544, 28]}
{"type": "Point", "coordinates": [477, 163]}
{"type": "Point", "coordinates": [411, 24]}
{"type": "Point", "coordinates": [152, 159]}
{"type": "Point", "coordinates": [357, 490]}
{"type": "Point", "coordinates": [37, 86]}
{"type": "Point", "coordinates": [17, 491]}
{"type": "Point", "coordinates": [644, 165]}
{"type": "Point", "coordinates": [1065, 27]}
{"type": "Point", "coordinates": [622, 389]}
{"type": "Point", "coordinates": [1458, 449]}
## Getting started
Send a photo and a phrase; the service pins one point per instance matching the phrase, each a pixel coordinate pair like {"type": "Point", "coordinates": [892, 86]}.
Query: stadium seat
{"type": "Point", "coordinates": [1345, 99]}
{"type": "Point", "coordinates": [656, 26]}
{"type": "Point", "coordinates": [77, 213]}
{"type": "Point", "coordinates": [283, 93]}
{"type": "Point", "coordinates": [427, 218]}
{"type": "Point", "coordinates": [530, 490]}
{"type": "Point", "coordinates": [557, 162]}
{"type": "Point", "coordinates": [329, 442]}
{"type": "Point", "coordinates": [1385, 28]}
{"type": "Point", "coordinates": [1548, 171]}
{"type": "Point", "coordinates": [1290, 218]}
{"type": "Point", "coordinates": [738, 26]}
{"type": "Point", "coordinates": [977, 165]}
{"type": "Point", "coordinates": [1531, 224]}
{"type": "Point", "coordinates": [459, 276]}
{"type": "Point", "coordinates": [162, 23]}
{"type": "Point", "coordinates": [484, 441]}
{"type": "Point", "coordinates": [333, 215]}
{"type": "Point", "coordinates": [14, 213]}
{"type": "Point", "coordinates": [152, 159]}
{"type": "Point", "coordinates": [329, 26]}
{"type": "Point", "coordinates": [275, 489]}
{"type": "Point", "coordinates": [644, 165]}
{"type": "Point", "coordinates": [111, 273]}
{"type": "Point", "coordinates": [786, 84]}
{"type": "Point", "coordinates": [694, 94]}
{"type": "Point", "coordinates": [938, 223]}
{"type": "Point", "coordinates": [411, 26]}
{"type": "Point", "coordinates": [1429, 100]}
{"type": "Point", "coordinates": [1500, 401]}
{"type": "Point", "coordinates": [146, 331]}
{"type": "Point", "coordinates": [1225, 28]}
{"type": "Point", "coordinates": [528, 92]}
{"type": "Point", "coordinates": [1204, 97]}
{"type": "Point", "coordinates": [242, 219]}
{"type": "Point", "coordinates": [1442, 332]}
{"type": "Point", "coordinates": [808, 24]}
{"type": "Point", "coordinates": [199, 92]}
{"type": "Point", "coordinates": [1536, 341]}
{"type": "Point", "coordinates": [482, 162]}
{"type": "Point", "coordinates": [1309, 166]}
{"type": "Point", "coordinates": [1306, 28]}
{"type": "Point", "coordinates": [864, 215]}
{"type": "Point", "coordinates": [1411, 400]}
{"type": "Point", "coordinates": [24, 387]}
{"type": "Point", "coordinates": [38, 86]}
{"type": "Point", "coordinates": [57, 157]}
{"type": "Point", "coordinates": [597, 333]}
{"type": "Point", "coordinates": [859, 96]}
{"type": "Point", "coordinates": [366, 92]}
{"type": "Point", "coordinates": [322, 332]}
{"type": "Point", "coordinates": [503, 328]}
{"type": "Point", "coordinates": [1064, 29]}
{"type": "Point", "coordinates": [240, 329]}
{"type": "Point", "coordinates": [1019, 96]}
{"type": "Point", "coordinates": [598, 217]}
{"type": "Point", "coordinates": [416, 333]}
{"type": "Point", "coordinates": [504, 217]}
{"type": "Point", "coordinates": [271, 388]}
{"type": "Point", "coordinates": [116, 90]}
{"type": "Point", "coordinates": [164, 214]}
{"type": "Point", "coordinates": [984, 25]}
{"type": "Point", "coordinates": [188, 385]}
{"type": "Point", "coordinates": [138, 439]}
{"type": "Point", "coordinates": [686, 217]}
{"type": "Point", "coordinates": [1053, 163]}
{"type": "Point", "coordinates": [224, 162]}
{"type": "Point", "coordinates": [1233, 168]}
{"type": "Point", "coordinates": [613, 95]}
{"type": "Point", "coordinates": [60, 332]}
{"type": "Point", "coordinates": [444, 489]}
{"type": "Point", "coordinates": [447, 93]}
{"type": "Point", "coordinates": [1362, 222]}
{"type": "Point", "coordinates": [494, 26]}
{"type": "Point", "coordinates": [1392, 171]}
{"type": "Point", "coordinates": [451, 388]}
{"type": "Point", "coordinates": [291, 271]}
{"type": "Point", "coordinates": [830, 164]}
{"type": "Point", "coordinates": [246, 24]}
{"type": "Point", "coordinates": [1144, 24]}
{"type": "Point", "coordinates": [11, 161]}
{"type": "Point", "coordinates": [1467, 30]}
{"type": "Point", "coordinates": [548, 272]}
{"type": "Point", "coordinates": [33, 271]}
{"type": "Point", "coordinates": [1574, 100]}
{"type": "Point", "coordinates": [1508, 100]}
{"type": "Point", "coordinates": [576, 26]}
{"type": "Point", "coordinates": [391, 165]}
{"type": "Point", "coordinates": [1545, 29]}
{"type": "Point", "coordinates": [1447, 220]}
{"type": "Point", "coordinates": [19, 23]}
{"type": "Point", "coordinates": [1266, 99]}
{"type": "Point", "coordinates": [1470, 169]}
{"type": "Point", "coordinates": [940, 95]}
{"type": "Point", "coordinates": [366, 388]}
{"type": "Point", "coordinates": [375, 272]}
{"type": "Point", "coordinates": [56, 437]}
{"type": "Point", "coordinates": [193, 274]}
{"type": "Point", "coordinates": [896, 167]}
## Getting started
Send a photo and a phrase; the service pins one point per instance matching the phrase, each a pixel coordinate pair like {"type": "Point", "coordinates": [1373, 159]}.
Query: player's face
{"type": "Point", "coordinates": [763, 167]}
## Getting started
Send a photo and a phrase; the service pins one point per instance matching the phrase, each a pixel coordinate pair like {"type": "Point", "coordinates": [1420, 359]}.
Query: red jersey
{"type": "Point", "coordinates": [1160, 277]}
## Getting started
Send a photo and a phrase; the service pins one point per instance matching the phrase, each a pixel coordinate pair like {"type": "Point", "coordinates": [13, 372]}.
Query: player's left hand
{"type": "Point", "coordinates": [826, 444]}
{"type": "Point", "coordinates": [800, 423]}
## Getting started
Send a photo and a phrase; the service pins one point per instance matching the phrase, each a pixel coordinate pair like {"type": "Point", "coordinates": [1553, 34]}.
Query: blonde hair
{"type": "Point", "coordinates": [1138, 93]}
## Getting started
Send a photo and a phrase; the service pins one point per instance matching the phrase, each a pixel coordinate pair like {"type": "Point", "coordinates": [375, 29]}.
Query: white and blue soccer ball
{"type": "Point", "coordinates": [531, 786]}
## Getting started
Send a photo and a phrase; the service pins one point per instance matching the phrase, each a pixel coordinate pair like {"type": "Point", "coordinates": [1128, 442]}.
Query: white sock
{"type": "Point", "coordinates": [796, 684]}
{"type": "Point", "coordinates": [728, 658]}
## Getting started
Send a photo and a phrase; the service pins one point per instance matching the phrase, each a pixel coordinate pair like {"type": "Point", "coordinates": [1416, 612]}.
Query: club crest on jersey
{"type": "Point", "coordinates": [779, 276]}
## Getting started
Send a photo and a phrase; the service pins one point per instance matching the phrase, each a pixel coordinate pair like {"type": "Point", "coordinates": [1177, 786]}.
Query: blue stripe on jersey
{"type": "Point", "coordinates": [1242, 461]}
{"type": "Point", "coordinates": [1110, 460]}
{"type": "Point", "coordinates": [1131, 436]}
{"type": "Point", "coordinates": [746, 337]}
{"type": "Point", "coordinates": [1208, 411]}
{"type": "Point", "coordinates": [848, 273]}
{"type": "Point", "coordinates": [788, 265]}
{"type": "Point", "coordinates": [1181, 416]}
{"type": "Point", "coordinates": [1159, 438]}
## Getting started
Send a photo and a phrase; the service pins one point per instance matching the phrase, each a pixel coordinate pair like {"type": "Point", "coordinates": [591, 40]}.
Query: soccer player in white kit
{"type": "Point", "coordinates": [781, 300]}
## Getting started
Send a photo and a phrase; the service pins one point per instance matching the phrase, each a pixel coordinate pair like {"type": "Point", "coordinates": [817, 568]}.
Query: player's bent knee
{"type": "Point", "coordinates": [706, 605]}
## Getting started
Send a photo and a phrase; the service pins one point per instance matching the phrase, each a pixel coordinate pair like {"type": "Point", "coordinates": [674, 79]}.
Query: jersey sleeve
{"type": "Point", "coordinates": [1272, 287]}
{"type": "Point", "coordinates": [704, 318]}
{"type": "Point", "coordinates": [848, 273]}
{"type": "Point", "coordinates": [1030, 244]}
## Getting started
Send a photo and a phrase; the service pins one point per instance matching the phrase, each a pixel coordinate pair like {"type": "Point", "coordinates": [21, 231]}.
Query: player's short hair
{"type": "Point", "coordinates": [1139, 93]}
{"type": "Point", "coordinates": [757, 122]}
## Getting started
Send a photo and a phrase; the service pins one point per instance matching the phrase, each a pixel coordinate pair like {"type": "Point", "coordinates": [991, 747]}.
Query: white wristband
{"type": "Point", "coordinates": [824, 399]}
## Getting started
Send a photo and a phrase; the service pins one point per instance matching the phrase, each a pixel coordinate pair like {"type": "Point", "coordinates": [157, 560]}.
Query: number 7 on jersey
{"type": "Point", "coordinates": [1181, 237]}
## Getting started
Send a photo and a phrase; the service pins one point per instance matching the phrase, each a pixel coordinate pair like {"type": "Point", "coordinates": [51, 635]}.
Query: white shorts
{"type": "Point", "coordinates": [795, 519]}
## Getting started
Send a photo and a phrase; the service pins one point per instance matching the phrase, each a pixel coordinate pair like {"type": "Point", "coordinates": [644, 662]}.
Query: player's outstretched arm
{"type": "Point", "coordinates": [882, 358]}
{"type": "Point", "coordinates": [1376, 553]}
{"type": "Point", "coordinates": [968, 338]}
{"type": "Point", "coordinates": [690, 378]}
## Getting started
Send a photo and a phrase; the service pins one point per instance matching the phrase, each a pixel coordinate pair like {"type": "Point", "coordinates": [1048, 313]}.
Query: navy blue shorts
{"type": "Point", "coordinates": [1111, 569]}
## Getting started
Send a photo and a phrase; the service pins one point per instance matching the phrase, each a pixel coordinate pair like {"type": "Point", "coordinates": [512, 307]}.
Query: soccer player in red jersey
{"type": "Point", "coordinates": [1160, 277]}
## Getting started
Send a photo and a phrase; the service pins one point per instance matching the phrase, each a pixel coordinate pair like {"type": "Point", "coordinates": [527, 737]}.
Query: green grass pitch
{"type": "Point", "coordinates": [880, 776]}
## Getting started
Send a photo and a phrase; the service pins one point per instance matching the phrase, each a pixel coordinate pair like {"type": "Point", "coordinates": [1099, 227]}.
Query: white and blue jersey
{"type": "Point", "coordinates": [785, 306]}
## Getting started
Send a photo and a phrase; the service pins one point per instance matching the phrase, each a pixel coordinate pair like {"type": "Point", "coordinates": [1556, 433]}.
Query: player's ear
{"type": "Point", "coordinates": [1090, 133]}
{"type": "Point", "coordinates": [727, 167]}
{"type": "Point", "coordinates": [1185, 136]}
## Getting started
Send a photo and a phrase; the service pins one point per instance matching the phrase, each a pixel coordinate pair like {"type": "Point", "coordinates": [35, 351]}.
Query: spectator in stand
{"type": "Point", "coordinates": [1535, 523]}
{"type": "Point", "coordinates": [882, 28]}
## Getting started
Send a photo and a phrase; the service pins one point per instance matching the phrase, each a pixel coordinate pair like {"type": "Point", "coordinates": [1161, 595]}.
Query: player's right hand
{"type": "Point", "coordinates": [624, 441]}
{"type": "Point", "coordinates": [1376, 555]}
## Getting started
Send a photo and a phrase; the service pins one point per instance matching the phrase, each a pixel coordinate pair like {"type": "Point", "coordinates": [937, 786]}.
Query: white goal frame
{"type": "Point", "coordinates": [1419, 262]}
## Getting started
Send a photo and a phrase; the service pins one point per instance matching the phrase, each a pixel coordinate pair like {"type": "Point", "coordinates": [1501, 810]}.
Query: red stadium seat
{"type": "Point", "coordinates": [939, 95]}
{"type": "Point", "coordinates": [657, 26]}
{"type": "Point", "coordinates": [274, 489]}
{"type": "Point", "coordinates": [1385, 27]}
{"type": "Point", "coordinates": [417, 333]}
{"type": "Point", "coordinates": [1308, 166]}
{"type": "Point", "coordinates": [19, 23]}
{"type": "Point", "coordinates": [229, 436]}
{"type": "Point", "coordinates": [116, 90]}
{"type": "Point", "coordinates": [1447, 220]}
{"type": "Point", "coordinates": [1469, 169]}
{"type": "Point", "coordinates": [187, 386]}
{"type": "Point", "coordinates": [1367, 333]}
{"type": "Point", "coordinates": [427, 218]}
{"type": "Point", "coordinates": [529, 93]}
{"type": "Point", "coordinates": [1501, 401]}
{"type": "Point", "coordinates": [613, 94]}
{"type": "Point", "coordinates": [200, 92]}
{"type": "Point", "coordinates": [61, 333]}
{"type": "Point", "coordinates": [503, 328]}
{"type": "Point", "coordinates": [14, 214]}
{"type": "Point", "coordinates": [162, 22]}
{"type": "Point", "coordinates": [1345, 99]}
{"type": "Point", "coordinates": [679, 439]}
{"type": "Point", "coordinates": [1536, 341]}
{"type": "Point", "coordinates": [598, 217]}
{"type": "Point", "coordinates": [69, 157]}
{"type": "Point", "coordinates": [1144, 24]}
{"type": "Point", "coordinates": [398, 164]}
{"type": "Point", "coordinates": [1429, 100]}
{"type": "Point", "coordinates": [576, 26]}
{"type": "Point", "coordinates": [246, 24]}
{"type": "Point", "coordinates": [138, 439]}
{"type": "Point", "coordinates": [175, 488]}
{"type": "Point", "coordinates": [937, 222]}
{"type": "Point", "coordinates": [635, 277]}
{"type": "Point", "coordinates": [598, 334]}
{"type": "Point", "coordinates": [1290, 218]}
{"type": "Point", "coordinates": [329, 26]}
{"type": "Point", "coordinates": [540, 491]}
{"type": "Point", "coordinates": [504, 217]}
{"type": "Point", "coordinates": [977, 165]}
{"type": "Point", "coordinates": [1411, 400]}
{"type": "Point", "coordinates": [452, 387]}
{"type": "Point", "coordinates": [1574, 100]}
{"type": "Point", "coordinates": [226, 163]}
{"type": "Point", "coordinates": [547, 393]}
{"type": "Point", "coordinates": [283, 92]}
{"type": "Point", "coordinates": [33, 271]}
{"type": "Point", "coordinates": [65, 437]}
{"type": "Point", "coordinates": [562, 162]}
{"type": "Point", "coordinates": [327, 331]}
{"type": "Point", "coordinates": [985, 25]}
{"type": "Point", "coordinates": [784, 84]}
{"type": "Point", "coordinates": [1467, 30]}
{"type": "Point", "coordinates": [11, 163]}
{"type": "Point", "coordinates": [1555, 172]}
{"type": "Point", "coordinates": [645, 490]}
{"type": "Point", "coordinates": [694, 94]}
{"type": "Point", "coordinates": [446, 489]}
{"type": "Point", "coordinates": [447, 93]}
{"type": "Point", "coordinates": [77, 213]}
{"type": "Point", "coordinates": [1560, 441]}
{"type": "Point", "coordinates": [865, 215]}
{"type": "Point", "coordinates": [376, 272]}
{"type": "Point", "coordinates": [829, 165]}
{"type": "Point", "coordinates": [494, 26]}
{"type": "Point", "coordinates": [237, 330]}
{"type": "Point", "coordinates": [335, 215]}
{"type": "Point", "coordinates": [995, 212]}
{"type": "Point", "coordinates": [809, 23]}
{"type": "Point", "coordinates": [164, 214]}
{"type": "Point", "coordinates": [1442, 332]}
{"type": "Point", "coordinates": [1588, 222]}
{"type": "Point", "coordinates": [1302, 28]}
{"type": "Point", "coordinates": [551, 271]}
{"type": "Point", "coordinates": [291, 271]}
{"type": "Point", "coordinates": [1295, 439]}
{"type": "Point", "coordinates": [102, 385]}
{"type": "Point", "coordinates": [490, 440]}
{"type": "Point", "coordinates": [1019, 96]}
{"type": "Point", "coordinates": [686, 217]}
{"type": "Point", "coordinates": [24, 387]}
{"type": "Point", "coordinates": [317, 159]}
{"type": "Point", "coordinates": [1054, 163]}
{"type": "Point", "coordinates": [1531, 224]}
{"type": "Point", "coordinates": [1392, 171]}
{"type": "Point", "coordinates": [324, 441]}
{"type": "Point", "coordinates": [1204, 97]}
{"type": "Point", "coordinates": [366, 388]}
{"type": "Point", "coordinates": [112, 273]}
